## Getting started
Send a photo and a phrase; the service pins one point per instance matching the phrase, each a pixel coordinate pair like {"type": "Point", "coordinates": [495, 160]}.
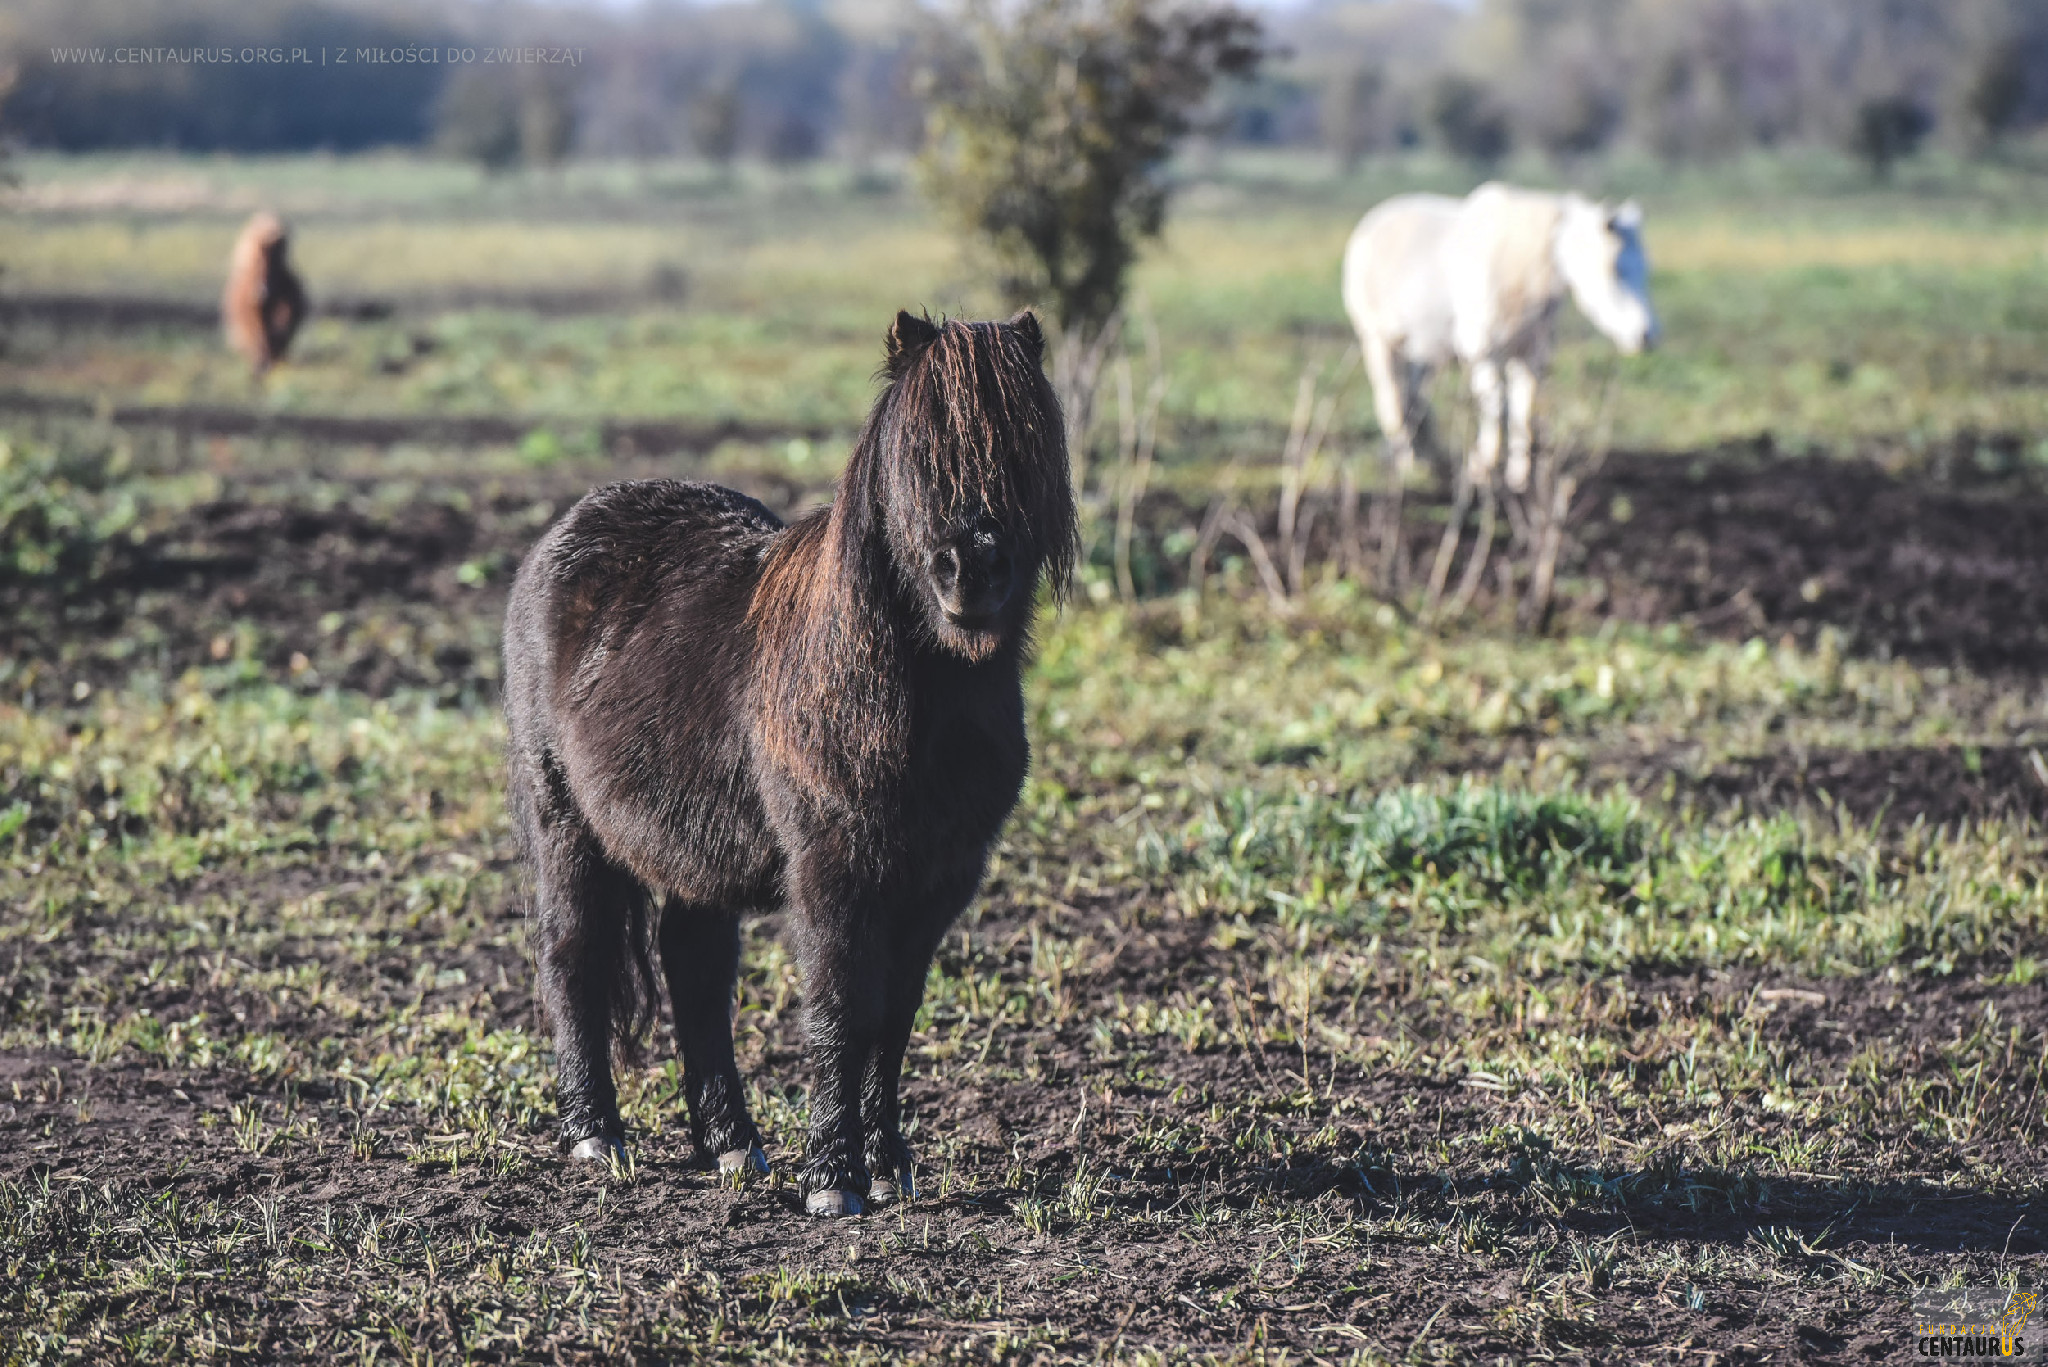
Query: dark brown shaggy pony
{"type": "Point", "coordinates": [722, 714]}
{"type": "Point", "coordinates": [264, 303]}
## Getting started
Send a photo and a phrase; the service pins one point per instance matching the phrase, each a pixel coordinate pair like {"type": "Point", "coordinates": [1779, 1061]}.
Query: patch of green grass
{"type": "Point", "coordinates": [1499, 840]}
{"type": "Point", "coordinates": [60, 506]}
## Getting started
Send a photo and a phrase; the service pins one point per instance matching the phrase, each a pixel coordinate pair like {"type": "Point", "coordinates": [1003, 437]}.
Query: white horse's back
{"type": "Point", "coordinates": [1394, 285]}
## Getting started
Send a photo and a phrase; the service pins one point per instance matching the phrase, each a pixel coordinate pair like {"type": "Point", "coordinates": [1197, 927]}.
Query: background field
{"type": "Point", "coordinates": [1665, 984]}
{"type": "Point", "coordinates": [1800, 301]}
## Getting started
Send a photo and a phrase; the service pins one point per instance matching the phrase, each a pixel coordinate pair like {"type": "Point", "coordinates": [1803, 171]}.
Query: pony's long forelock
{"type": "Point", "coordinates": [973, 426]}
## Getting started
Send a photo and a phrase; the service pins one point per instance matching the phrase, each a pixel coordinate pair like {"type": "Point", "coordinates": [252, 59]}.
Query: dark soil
{"type": "Point", "coordinates": [367, 594]}
{"type": "Point", "coordinates": [1946, 567]}
{"type": "Point", "coordinates": [1940, 563]}
{"type": "Point", "coordinates": [1894, 785]}
{"type": "Point", "coordinates": [1942, 570]}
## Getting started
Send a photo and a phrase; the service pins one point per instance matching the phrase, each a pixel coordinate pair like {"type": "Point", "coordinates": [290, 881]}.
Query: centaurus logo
{"type": "Point", "coordinates": [1975, 1322]}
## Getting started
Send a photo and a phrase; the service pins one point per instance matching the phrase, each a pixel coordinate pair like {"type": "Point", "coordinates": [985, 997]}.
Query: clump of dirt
{"type": "Point", "coordinates": [371, 598]}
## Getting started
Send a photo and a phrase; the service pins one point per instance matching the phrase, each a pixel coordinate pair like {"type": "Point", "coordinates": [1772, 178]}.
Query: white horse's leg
{"type": "Point", "coordinates": [1522, 379]}
{"type": "Point", "coordinates": [1389, 375]}
{"type": "Point", "coordinates": [1394, 395]}
{"type": "Point", "coordinates": [1486, 398]}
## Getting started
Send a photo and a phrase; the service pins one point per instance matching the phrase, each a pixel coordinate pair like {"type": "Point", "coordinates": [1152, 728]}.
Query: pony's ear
{"type": "Point", "coordinates": [1029, 333]}
{"type": "Point", "coordinates": [909, 335]}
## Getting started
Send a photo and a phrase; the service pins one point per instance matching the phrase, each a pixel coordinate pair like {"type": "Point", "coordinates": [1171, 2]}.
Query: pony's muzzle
{"type": "Point", "coordinates": [972, 579]}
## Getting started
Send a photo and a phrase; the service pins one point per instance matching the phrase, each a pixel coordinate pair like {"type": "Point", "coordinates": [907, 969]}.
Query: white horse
{"type": "Point", "coordinates": [1429, 279]}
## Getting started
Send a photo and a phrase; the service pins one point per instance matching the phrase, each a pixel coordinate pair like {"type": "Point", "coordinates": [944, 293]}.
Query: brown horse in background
{"type": "Point", "coordinates": [264, 302]}
{"type": "Point", "coordinates": [722, 714]}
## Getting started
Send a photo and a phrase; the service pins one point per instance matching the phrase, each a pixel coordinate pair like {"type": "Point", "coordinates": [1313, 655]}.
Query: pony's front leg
{"type": "Point", "coordinates": [888, 1156]}
{"type": "Point", "coordinates": [844, 993]}
{"type": "Point", "coordinates": [1489, 401]}
{"type": "Point", "coordinates": [1396, 391]}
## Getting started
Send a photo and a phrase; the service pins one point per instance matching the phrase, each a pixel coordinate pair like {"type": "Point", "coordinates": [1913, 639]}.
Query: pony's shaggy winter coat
{"type": "Point", "coordinates": [712, 713]}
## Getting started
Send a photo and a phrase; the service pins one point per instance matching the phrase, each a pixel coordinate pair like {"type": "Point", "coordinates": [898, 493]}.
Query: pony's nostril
{"type": "Point", "coordinates": [946, 567]}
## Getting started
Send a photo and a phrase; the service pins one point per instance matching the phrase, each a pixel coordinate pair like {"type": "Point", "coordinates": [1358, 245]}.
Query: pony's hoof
{"type": "Point", "coordinates": [832, 1204]}
{"type": "Point", "coordinates": [887, 1191]}
{"type": "Point", "coordinates": [599, 1148]}
{"type": "Point", "coordinates": [743, 1163]}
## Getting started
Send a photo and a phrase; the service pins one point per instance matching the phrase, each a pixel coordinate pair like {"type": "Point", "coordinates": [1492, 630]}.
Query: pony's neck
{"type": "Point", "coordinates": [833, 697]}
{"type": "Point", "coordinates": [854, 559]}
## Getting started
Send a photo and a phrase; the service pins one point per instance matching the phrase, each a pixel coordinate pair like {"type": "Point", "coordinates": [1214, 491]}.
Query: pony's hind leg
{"type": "Point", "coordinates": [589, 915]}
{"type": "Point", "coordinates": [1521, 423]}
{"type": "Point", "coordinates": [700, 953]}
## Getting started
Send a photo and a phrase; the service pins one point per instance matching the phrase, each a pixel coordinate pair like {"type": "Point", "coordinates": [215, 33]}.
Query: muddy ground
{"type": "Point", "coordinates": [1270, 1269]}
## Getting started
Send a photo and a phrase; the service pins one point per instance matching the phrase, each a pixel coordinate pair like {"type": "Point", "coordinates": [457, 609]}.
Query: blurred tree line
{"type": "Point", "coordinates": [792, 79]}
{"type": "Point", "coordinates": [77, 86]}
{"type": "Point", "coordinates": [1682, 79]}
{"type": "Point", "coordinates": [781, 79]}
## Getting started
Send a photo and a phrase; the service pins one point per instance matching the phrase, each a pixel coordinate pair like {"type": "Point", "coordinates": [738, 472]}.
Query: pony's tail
{"type": "Point", "coordinates": [628, 965]}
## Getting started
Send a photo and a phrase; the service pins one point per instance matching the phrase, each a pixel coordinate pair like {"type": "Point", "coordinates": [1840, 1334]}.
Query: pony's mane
{"type": "Point", "coordinates": [966, 424]}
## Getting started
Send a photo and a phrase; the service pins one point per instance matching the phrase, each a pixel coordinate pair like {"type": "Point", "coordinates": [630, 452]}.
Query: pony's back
{"type": "Point", "coordinates": [627, 636]}
{"type": "Point", "coordinates": [1393, 285]}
